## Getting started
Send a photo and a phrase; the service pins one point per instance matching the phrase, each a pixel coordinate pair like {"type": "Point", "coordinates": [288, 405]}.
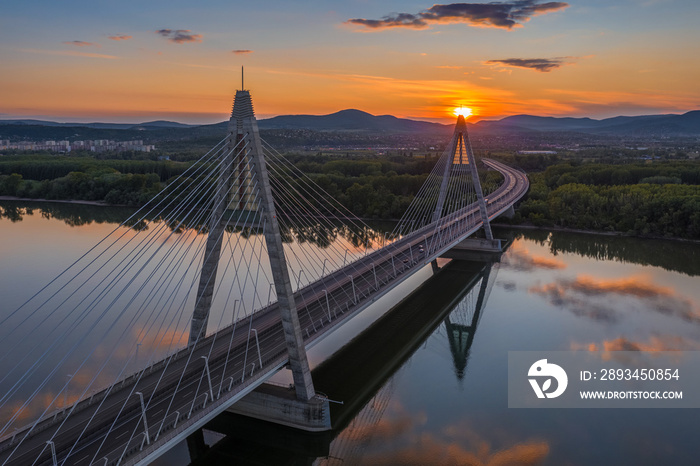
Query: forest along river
{"type": "Point", "coordinates": [427, 383]}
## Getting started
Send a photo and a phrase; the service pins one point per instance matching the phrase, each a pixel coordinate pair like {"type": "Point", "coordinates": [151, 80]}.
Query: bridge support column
{"type": "Point", "coordinates": [460, 156]}
{"type": "Point", "coordinates": [212, 252]}
{"type": "Point", "coordinates": [243, 125]}
{"type": "Point", "coordinates": [247, 127]}
{"type": "Point", "coordinates": [280, 405]}
{"type": "Point", "coordinates": [509, 213]}
{"type": "Point", "coordinates": [476, 249]}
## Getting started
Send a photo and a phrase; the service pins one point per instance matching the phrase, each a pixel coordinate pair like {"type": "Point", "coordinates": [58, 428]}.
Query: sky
{"type": "Point", "coordinates": [135, 61]}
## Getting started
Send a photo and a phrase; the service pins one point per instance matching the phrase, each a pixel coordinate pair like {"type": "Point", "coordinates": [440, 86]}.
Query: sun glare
{"type": "Point", "coordinates": [464, 111]}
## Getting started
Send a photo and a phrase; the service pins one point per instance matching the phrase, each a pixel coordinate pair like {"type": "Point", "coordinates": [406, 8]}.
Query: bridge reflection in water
{"type": "Point", "coordinates": [362, 375]}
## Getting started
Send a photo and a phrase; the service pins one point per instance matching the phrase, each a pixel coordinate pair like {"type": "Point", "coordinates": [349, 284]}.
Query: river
{"type": "Point", "coordinates": [427, 383]}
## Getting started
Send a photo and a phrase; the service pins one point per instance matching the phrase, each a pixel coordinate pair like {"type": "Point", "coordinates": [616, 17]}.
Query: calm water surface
{"type": "Point", "coordinates": [427, 384]}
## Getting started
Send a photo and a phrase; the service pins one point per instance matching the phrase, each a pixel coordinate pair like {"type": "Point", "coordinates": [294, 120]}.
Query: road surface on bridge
{"type": "Point", "coordinates": [177, 391]}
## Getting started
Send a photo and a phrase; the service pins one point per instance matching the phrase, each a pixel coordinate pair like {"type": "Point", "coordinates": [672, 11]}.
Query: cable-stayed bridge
{"type": "Point", "coordinates": [243, 236]}
{"type": "Point", "coordinates": [364, 374]}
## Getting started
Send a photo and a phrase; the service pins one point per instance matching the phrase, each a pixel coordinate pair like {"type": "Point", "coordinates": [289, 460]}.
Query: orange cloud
{"type": "Point", "coordinates": [427, 448]}
{"type": "Point", "coordinates": [590, 100]}
{"type": "Point", "coordinates": [558, 295]}
{"type": "Point", "coordinates": [656, 343]}
{"type": "Point", "coordinates": [165, 340]}
{"type": "Point", "coordinates": [242, 51]}
{"type": "Point", "coordinates": [458, 444]}
{"type": "Point", "coordinates": [120, 37]}
{"type": "Point", "coordinates": [440, 95]}
{"type": "Point", "coordinates": [640, 287]}
{"type": "Point", "coordinates": [578, 296]}
{"type": "Point", "coordinates": [520, 258]}
{"type": "Point", "coordinates": [384, 430]}
{"type": "Point", "coordinates": [31, 411]}
{"type": "Point", "coordinates": [619, 348]}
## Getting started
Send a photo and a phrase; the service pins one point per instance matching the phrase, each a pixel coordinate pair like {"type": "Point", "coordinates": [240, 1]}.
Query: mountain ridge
{"type": "Point", "coordinates": [353, 120]}
{"type": "Point", "coordinates": [350, 120]}
{"type": "Point", "coordinates": [98, 125]}
{"type": "Point", "coordinates": [670, 124]}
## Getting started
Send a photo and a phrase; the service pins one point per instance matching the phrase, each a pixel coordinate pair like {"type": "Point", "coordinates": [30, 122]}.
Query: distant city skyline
{"type": "Point", "coordinates": [131, 62]}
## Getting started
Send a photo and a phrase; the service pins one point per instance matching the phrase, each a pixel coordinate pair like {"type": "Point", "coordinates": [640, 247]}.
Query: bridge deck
{"type": "Point", "coordinates": [108, 425]}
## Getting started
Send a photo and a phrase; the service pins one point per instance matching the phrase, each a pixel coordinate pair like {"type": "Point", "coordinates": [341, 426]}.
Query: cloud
{"type": "Point", "coordinates": [32, 410]}
{"type": "Point", "coordinates": [428, 448]}
{"type": "Point", "coordinates": [558, 295]}
{"type": "Point", "coordinates": [439, 93]}
{"type": "Point", "coordinates": [508, 286]}
{"type": "Point", "coordinates": [179, 36]}
{"type": "Point", "coordinates": [120, 37]}
{"type": "Point", "coordinates": [519, 258]}
{"type": "Point", "coordinates": [630, 286]}
{"type": "Point", "coordinates": [656, 343]}
{"type": "Point", "coordinates": [505, 15]}
{"type": "Point", "coordinates": [543, 65]}
{"type": "Point", "coordinates": [386, 429]}
{"type": "Point", "coordinates": [157, 342]}
{"type": "Point", "coordinates": [241, 51]}
{"type": "Point", "coordinates": [417, 443]}
{"type": "Point", "coordinates": [612, 103]}
{"type": "Point", "coordinates": [620, 349]}
{"type": "Point", "coordinates": [580, 294]}
{"type": "Point", "coordinates": [80, 43]}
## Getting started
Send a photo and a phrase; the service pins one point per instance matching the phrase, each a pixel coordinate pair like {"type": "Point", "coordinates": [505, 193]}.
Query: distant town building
{"type": "Point", "coordinates": [98, 145]}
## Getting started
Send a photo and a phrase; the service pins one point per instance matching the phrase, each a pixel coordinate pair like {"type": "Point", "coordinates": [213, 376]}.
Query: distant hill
{"type": "Point", "coordinates": [687, 124]}
{"type": "Point", "coordinates": [344, 120]}
{"type": "Point", "coordinates": [352, 120]}
{"type": "Point", "coordinates": [162, 124]}
{"type": "Point", "coordinates": [159, 124]}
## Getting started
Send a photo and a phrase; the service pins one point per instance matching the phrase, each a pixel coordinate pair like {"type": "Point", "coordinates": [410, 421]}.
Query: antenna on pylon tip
{"type": "Point", "coordinates": [242, 86]}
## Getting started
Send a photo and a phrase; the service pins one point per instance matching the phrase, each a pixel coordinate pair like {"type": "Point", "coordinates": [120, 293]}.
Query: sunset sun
{"type": "Point", "coordinates": [464, 111]}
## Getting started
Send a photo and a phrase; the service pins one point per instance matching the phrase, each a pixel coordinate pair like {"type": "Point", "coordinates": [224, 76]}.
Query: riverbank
{"type": "Point", "coordinates": [591, 232]}
{"type": "Point", "coordinates": [499, 225]}
{"type": "Point", "coordinates": [61, 201]}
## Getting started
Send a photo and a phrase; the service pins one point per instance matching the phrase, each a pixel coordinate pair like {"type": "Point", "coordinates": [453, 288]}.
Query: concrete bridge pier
{"type": "Point", "coordinates": [280, 405]}
{"type": "Point", "coordinates": [477, 249]}
{"type": "Point", "coordinates": [509, 212]}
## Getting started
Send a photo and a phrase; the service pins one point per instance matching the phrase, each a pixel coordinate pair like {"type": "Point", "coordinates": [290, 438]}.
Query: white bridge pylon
{"type": "Point", "coordinates": [459, 159]}
{"type": "Point", "coordinates": [256, 197]}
